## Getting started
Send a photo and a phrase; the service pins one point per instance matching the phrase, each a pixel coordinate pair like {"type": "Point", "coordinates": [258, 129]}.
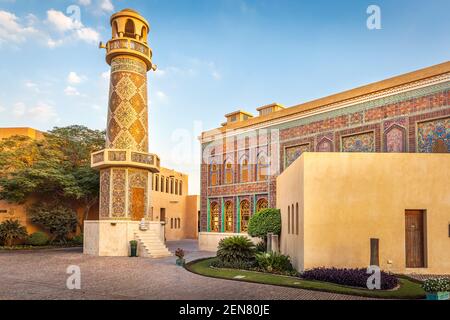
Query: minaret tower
{"type": "Point", "coordinates": [125, 165]}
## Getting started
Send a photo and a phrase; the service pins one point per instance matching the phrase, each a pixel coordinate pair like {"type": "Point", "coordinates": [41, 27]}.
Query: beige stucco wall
{"type": "Point", "coordinates": [111, 238]}
{"type": "Point", "coordinates": [348, 198]}
{"type": "Point", "coordinates": [183, 207]}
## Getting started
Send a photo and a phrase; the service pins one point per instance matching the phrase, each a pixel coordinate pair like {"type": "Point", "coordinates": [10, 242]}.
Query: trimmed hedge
{"type": "Point", "coordinates": [263, 222]}
{"type": "Point", "coordinates": [349, 277]}
{"type": "Point", "coordinates": [38, 238]}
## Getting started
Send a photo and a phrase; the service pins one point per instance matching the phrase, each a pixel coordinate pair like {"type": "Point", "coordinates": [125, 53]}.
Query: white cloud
{"type": "Point", "coordinates": [74, 78]}
{"type": "Point", "coordinates": [54, 43]}
{"type": "Point", "coordinates": [84, 2]}
{"type": "Point", "coordinates": [88, 35]}
{"type": "Point", "coordinates": [65, 24]}
{"type": "Point", "coordinates": [216, 75]}
{"type": "Point", "coordinates": [106, 75]}
{"type": "Point", "coordinates": [161, 96]}
{"type": "Point", "coordinates": [71, 91]}
{"type": "Point", "coordinates": [2, 109]}
{"type": "Point", "coordinates": [31, 85]}
{"type": "Point", "coordinates": [42, 112]}
{"type": "Point", "coordinates": [11, 30]}
{"type": "Point", "coordinates": [160, 73]}
{"type": "Point", "coordinates": [62, 22]}
{"type": "Point", "coordinates": [106, 5]}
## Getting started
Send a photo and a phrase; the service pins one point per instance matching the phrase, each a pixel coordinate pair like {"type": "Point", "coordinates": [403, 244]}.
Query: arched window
{"type": "Point", "coordinates": [245, 215]}
{"type": "Point", "coordinates": [144, 34]}
{"type": "Point", "coordinates": [229, 214]}
{"type": "Point", "coordinates": [115, 33]}
{"type": "Point", "coordinates": [228, 172]}
{"type": "Point", "coordinates": [171, 185]}
{"type": "Point", "coordinates": [176, 186]}
{"type": "Point", "coordinates": [162, 183]}
{"type": "Point", "coordinates": [261, 205]}
{"type": "Point", "coordinates": [167, 185]}
{"type": "Point", "coordinates": [262, 167]}
{"type": "Point", "coordinates": [245, 170]}
{"type": "Point", "coordinates": [181, 188]}
{"type": "Point", "coordinates": [296, 219]}
{"type": "Point", "coordinates": [214, 174]}
{"type": "Point", "coordinates": [214, 217]}
{"type": "Point", "coordinates": [171, 223]}
{"type": "Point", "coordinates": [129, 29]}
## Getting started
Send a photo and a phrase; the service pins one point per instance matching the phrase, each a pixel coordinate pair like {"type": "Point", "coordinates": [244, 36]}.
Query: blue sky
{"type": "Point", "coordinates": [214, 57]}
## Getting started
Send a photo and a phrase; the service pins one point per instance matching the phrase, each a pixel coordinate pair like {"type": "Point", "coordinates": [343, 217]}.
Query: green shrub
{"type": "Point", "coordinates": [274, 262]}
{"type": "Point", "coordinates": [264, 222]}
{"type": "Point", "coordinates": [235, 252]}
{"type": "Point", "coordinates": [38, 239]}
{"type": "Point", "coordinates": [11, 230]}
{"type": "Point", "coordinates": [261, 247]}
{"type": "Point", "coordinates": [78, 239]}
{"type": "Point", "coordinates": [58, 219]}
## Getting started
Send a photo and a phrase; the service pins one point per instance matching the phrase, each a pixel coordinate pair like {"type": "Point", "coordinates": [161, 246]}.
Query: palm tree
{"type": "Point", "coordinates": [11, 230]}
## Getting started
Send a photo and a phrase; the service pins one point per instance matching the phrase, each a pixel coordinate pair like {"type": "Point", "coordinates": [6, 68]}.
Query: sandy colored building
{"type": "Point", "coordinates": [179, 210]}
{"type": "Point", "coordinates": [408, 115]}
{"type": "Point", "coordinates": [361, 209]}
{"type": "Point", "coordinates": [17, 211]}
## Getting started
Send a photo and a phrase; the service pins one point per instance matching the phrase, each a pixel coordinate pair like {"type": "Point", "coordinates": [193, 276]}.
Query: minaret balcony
{"type": "Point", "coordinates": [128, 46]}
{"type": "Point", "coordinates": [125, 158]}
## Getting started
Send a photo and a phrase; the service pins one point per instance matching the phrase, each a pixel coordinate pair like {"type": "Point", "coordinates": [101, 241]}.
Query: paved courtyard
{"type": "Point", "coordinates": [42, 275]}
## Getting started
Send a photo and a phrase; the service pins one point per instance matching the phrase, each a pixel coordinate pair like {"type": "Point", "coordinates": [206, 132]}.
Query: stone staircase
{"type": "Point", "coordinates": [151, 245]}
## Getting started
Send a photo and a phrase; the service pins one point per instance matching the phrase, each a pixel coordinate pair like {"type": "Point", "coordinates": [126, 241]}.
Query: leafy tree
{"type": "Point", "coordinates": [58, 219]}
{"type": "Point", "coordinates": [11, 230]}
{"type": "Point", "coordinates": [56, 168]}
{"type": "Point", "coordinates": [264, 222]}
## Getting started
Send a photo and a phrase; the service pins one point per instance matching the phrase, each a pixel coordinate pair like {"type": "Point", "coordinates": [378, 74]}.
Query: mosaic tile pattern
{"type": "Point", "coordinates": [395, 139]}
{"type": "Point", "coordinates": [364, 142]}
{"type": "Point", "coordinates": [104, 193]}
{"type": "Point", "coordinates": [118, 193]}
{"type": "Point", "coordinates": [292, 153]}
{"type": "Point", "coordinates": [127, 113]}
{"type": "Point", "coordinates": [434, 136]}
{"type": "Point", "coordinates": [325, 145]}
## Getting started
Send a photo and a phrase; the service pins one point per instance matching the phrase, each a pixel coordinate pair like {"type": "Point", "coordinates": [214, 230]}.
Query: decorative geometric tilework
{"type": "Point", "coordinates": [395, 139]}
{"type": "Point", "coordinates": [127, 114]}
{"type": "Point", "coordinates": [104, 193]}
{"type": "Point", "coordinates": [363, 142]}
{"type": "Point", "coordinates": [118, 193]}
{"type": "Point", "coordinates": [325, 145]}
{"type": "Point", "coordinates": [434, 136]}
{"type": "Point", "coordinates": [292, 153]}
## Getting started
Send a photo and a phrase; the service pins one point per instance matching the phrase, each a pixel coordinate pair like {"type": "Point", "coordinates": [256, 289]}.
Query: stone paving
{"type": "Point", "coordinates": [42, 275]}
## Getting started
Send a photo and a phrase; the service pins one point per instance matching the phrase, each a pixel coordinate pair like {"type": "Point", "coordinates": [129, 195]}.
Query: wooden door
{"type": "Point", "coordinates": [162, 214]}
{"type": "Point", "coordinates": [415, 238]}
{"type": "Point", "coordinates": [137, 204]}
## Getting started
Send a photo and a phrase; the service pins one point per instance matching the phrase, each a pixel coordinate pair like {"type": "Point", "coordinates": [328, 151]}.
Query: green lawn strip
{"type": "Point", "coordinates": [408, 289]}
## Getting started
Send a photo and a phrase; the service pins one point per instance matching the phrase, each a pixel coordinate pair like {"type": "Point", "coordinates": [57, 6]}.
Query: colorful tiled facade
{"type": "Point", "coordinates": [408, 113]}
